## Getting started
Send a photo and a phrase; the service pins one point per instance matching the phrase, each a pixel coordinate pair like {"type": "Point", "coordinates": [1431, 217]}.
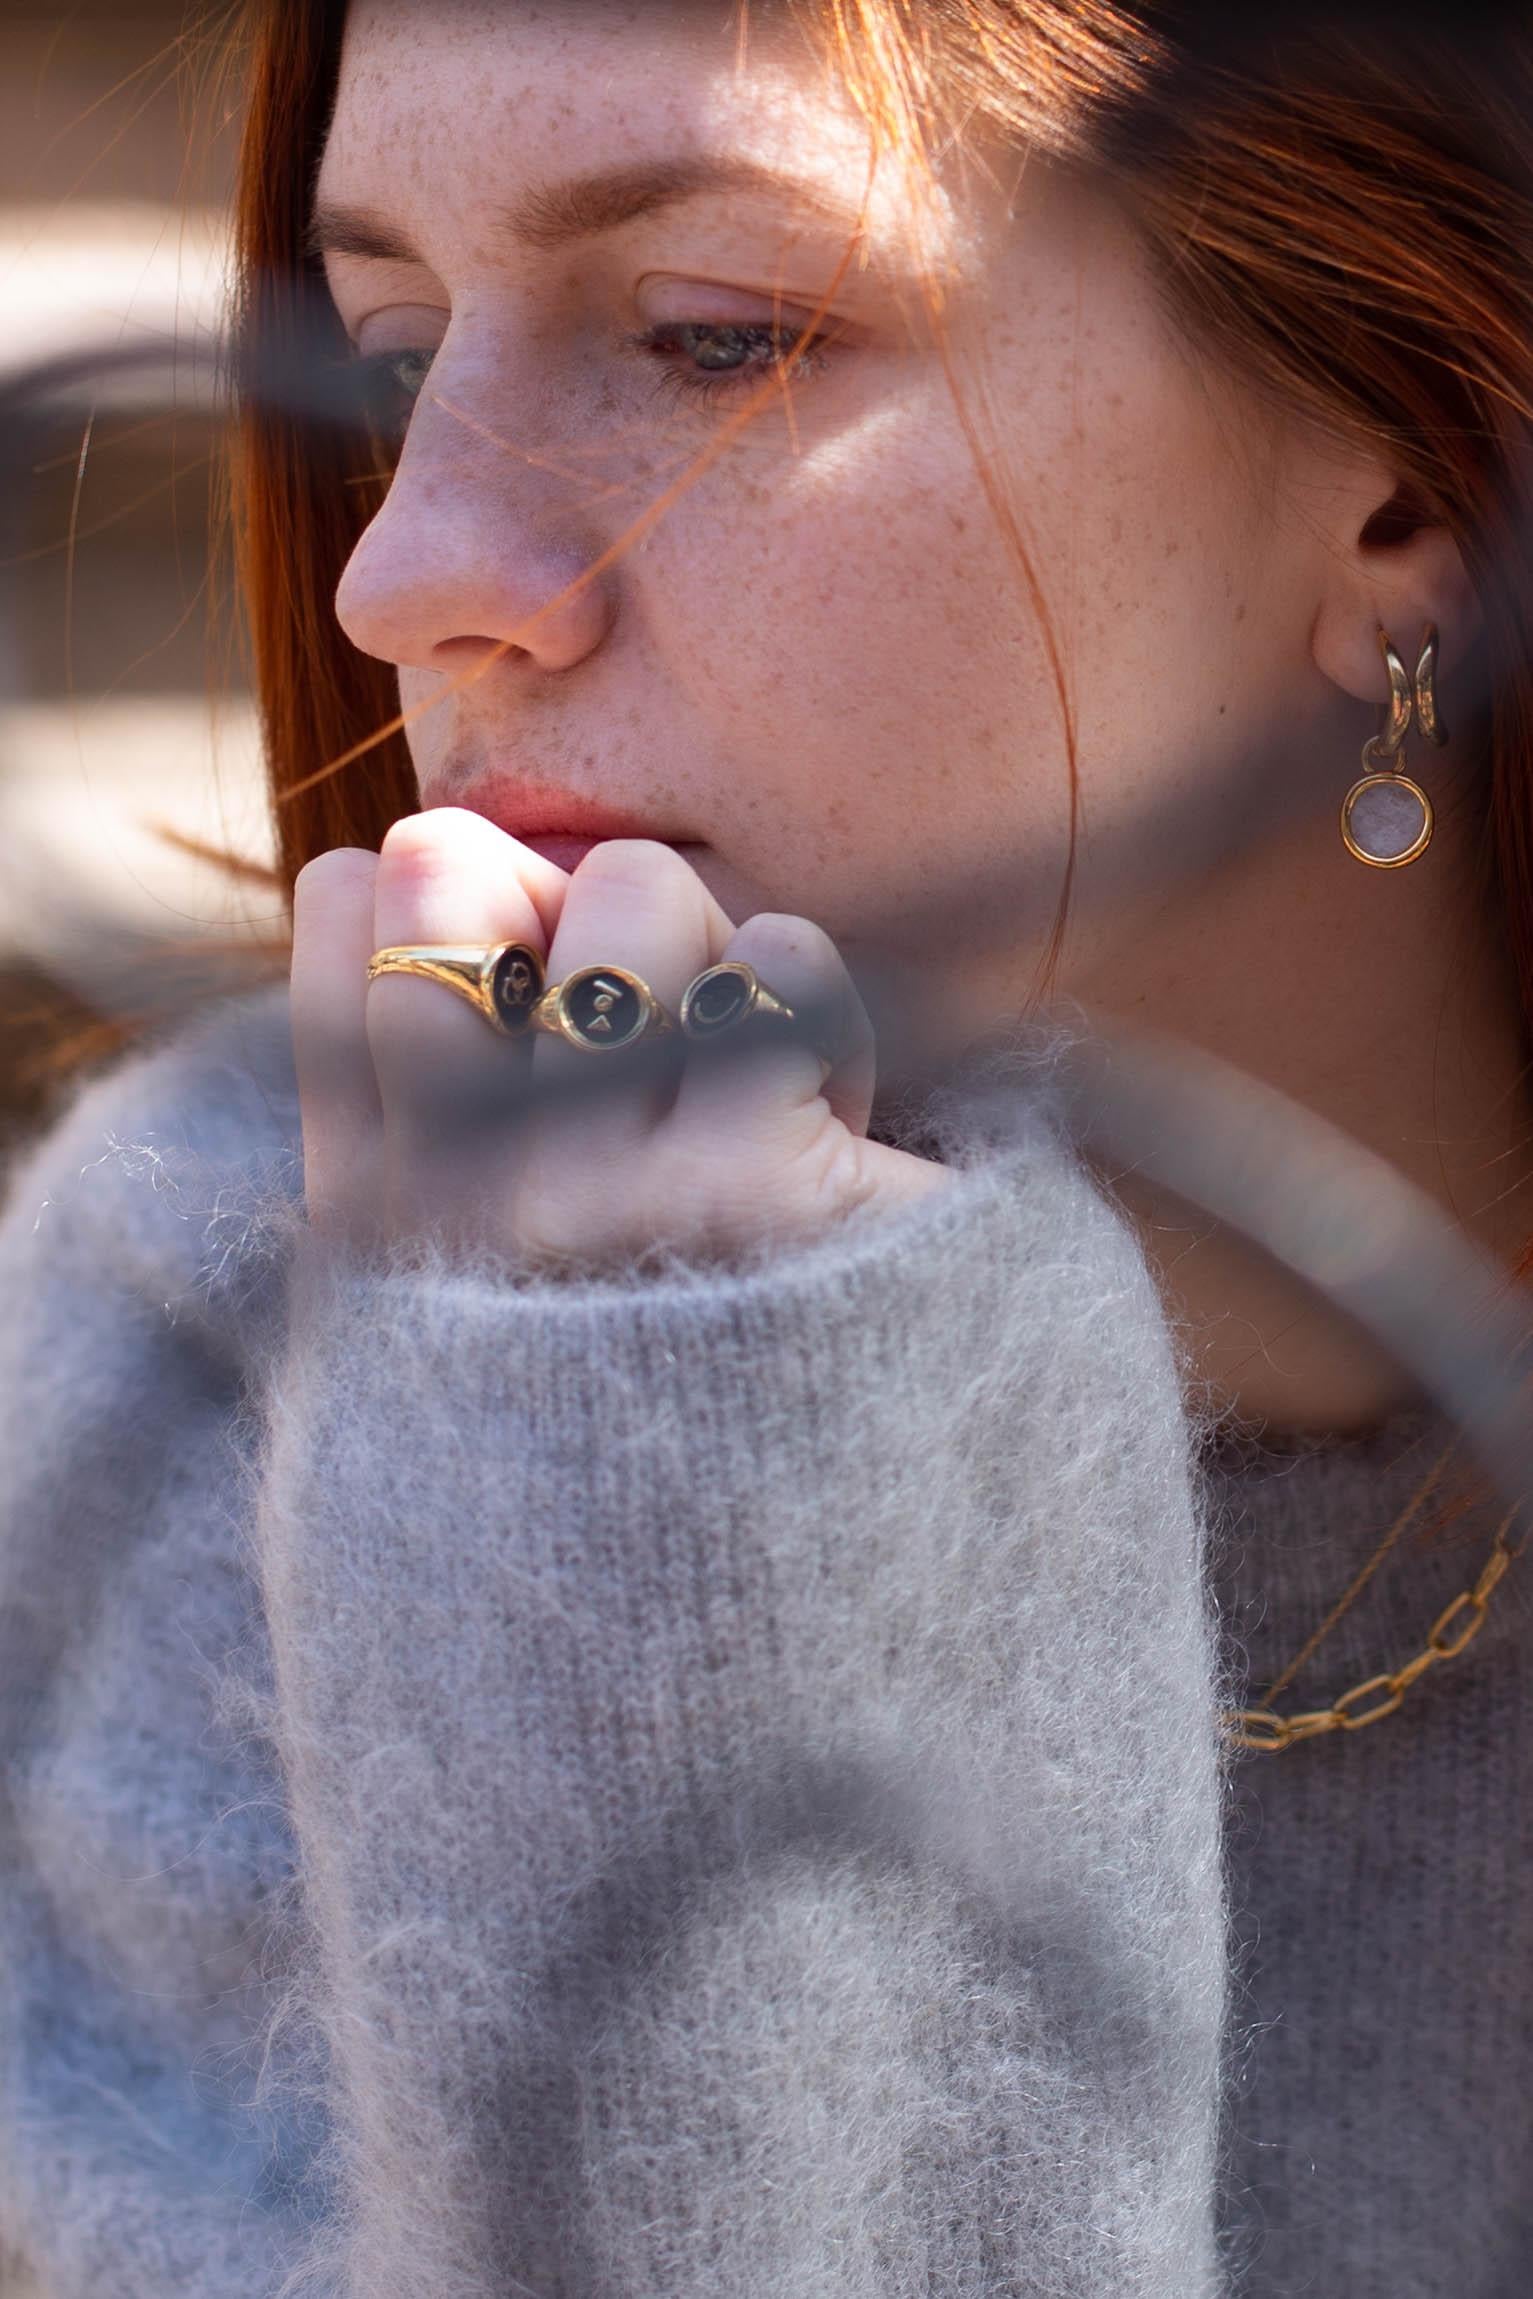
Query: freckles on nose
{"type": "Point", "coordinates": [447, 567]}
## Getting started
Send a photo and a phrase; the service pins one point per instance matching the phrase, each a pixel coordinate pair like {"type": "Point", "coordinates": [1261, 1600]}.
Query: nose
{"type": "Point", "coordinates": [477, 546]}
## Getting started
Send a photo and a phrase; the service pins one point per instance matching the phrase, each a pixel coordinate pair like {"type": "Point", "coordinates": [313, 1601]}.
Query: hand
{"type": "Point", "coordinates": [417, 1117]}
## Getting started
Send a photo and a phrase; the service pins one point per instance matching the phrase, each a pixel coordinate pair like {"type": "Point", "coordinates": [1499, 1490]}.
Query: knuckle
{"type": "Point", "coordinates": [642, 863]}
{"type": "Point", "coordinates": [414, 851]}
{"type": "Point", "coordinates": [343, 871]}
{"type": "Point", "coordinates": [408, 831]}
{"type": "Point", "coordinates": [800, 939]}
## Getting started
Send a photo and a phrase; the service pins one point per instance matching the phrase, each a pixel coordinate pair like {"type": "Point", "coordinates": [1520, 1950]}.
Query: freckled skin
{"type": "Point", "coordinates": [823, 663]}
{"type": "Point", "coordinates": [841, 617]}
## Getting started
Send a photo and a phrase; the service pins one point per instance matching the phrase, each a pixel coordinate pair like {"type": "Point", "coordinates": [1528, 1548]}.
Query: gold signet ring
{"type": "Point", "coordinates": [503, 980]}
{"type": "Point", "coordinates": [601, 1009]}
{"type": "Point", "coordinates": [725, 996]}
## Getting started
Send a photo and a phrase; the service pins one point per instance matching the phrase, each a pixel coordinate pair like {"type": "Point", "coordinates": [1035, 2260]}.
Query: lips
{"type": "Point", "coordinates": [544, 818]}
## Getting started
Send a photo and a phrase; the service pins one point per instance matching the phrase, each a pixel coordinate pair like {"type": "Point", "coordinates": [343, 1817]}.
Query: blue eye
{"type": "Point", "coordinates": [391, 382]}
{"type": "Point", "coordinates": [409, 369]}
{"type": "Point", "coordinates": [704, 359]}
{"type": "Point", "coordinates": [699, 360]}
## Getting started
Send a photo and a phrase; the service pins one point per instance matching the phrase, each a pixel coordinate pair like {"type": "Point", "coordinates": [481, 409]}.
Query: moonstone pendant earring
{"type": "Point", "coordinates": [1386, 819]}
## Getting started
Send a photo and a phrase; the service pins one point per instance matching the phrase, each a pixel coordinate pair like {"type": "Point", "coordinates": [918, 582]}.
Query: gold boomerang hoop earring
{"type": "Point", "coordinates": [1386, 818]}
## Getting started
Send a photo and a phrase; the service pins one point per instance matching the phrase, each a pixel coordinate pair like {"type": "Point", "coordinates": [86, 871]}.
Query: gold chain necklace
{"type": "Point", "coordinates": [1377, 1696]}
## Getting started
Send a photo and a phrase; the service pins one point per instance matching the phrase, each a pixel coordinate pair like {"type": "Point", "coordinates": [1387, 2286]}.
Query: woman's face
{"type": "Point", "coordinates": [819, 672]}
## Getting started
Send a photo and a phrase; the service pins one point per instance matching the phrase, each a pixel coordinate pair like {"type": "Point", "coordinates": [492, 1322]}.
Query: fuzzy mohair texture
{"type": "Point", "coordinates": [697, 1784]}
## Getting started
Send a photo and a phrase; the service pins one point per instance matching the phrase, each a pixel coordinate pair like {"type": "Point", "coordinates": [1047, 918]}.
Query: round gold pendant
{"type": "Point", "coordinates": [1386, 820]}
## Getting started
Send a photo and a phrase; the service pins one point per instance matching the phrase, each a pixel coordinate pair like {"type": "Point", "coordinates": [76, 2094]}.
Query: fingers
{"type": "Point", "coordinates": [769, 1129]}
{"type": "Point", "coordinates": [448, 876]}
{"type": "Point", "coordinates": [418, 1119]}
{"type": "Point", "coordinates": [764, 1075]}
{"type": "Point", "coordinates": [337, 1087]}
{"type": "Point", "coordinates": [632, 903]}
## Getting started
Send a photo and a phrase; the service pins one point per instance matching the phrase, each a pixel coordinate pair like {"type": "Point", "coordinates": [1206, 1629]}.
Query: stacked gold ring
{"type": "Point", "coordinates": [503, 981]}
{"type": "Point", "coordinates": [723, 997]}
{"type": "Point", "coordinates": [599, 1009]}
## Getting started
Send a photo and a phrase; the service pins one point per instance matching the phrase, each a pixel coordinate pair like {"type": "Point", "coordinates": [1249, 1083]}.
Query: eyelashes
{"type": "Point", "coordinates": [388, 385]}
{"type": "Point", "coordinates": [697, 362]}
{"type": "Point", "coordinates": [732, 355]}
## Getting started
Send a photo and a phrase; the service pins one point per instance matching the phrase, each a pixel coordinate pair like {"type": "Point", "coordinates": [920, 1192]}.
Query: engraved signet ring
{"type": "Point", "coordinates": [502, 980]}
{"type": "Point", "coordinates": [601, 1009]}
{"type": "Point", "coordinates": [725, 996]}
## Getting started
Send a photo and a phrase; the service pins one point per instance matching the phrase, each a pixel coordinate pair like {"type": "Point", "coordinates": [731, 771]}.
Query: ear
{"type": "Point", "coordinates": [1392, 566]}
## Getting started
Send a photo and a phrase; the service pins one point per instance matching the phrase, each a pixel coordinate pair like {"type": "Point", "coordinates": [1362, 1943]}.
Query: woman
{"type": "Point", "coordinates": [611, 1692]}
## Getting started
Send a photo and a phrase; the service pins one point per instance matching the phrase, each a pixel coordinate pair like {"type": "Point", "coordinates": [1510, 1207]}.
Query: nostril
{"type": "Point", "coordinates": [476, 653]}
{"type": "Point", "coordinates": [459, 588]}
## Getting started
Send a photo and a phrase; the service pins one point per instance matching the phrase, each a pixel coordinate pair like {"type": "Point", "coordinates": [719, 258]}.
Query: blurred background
{"type": "Point", "coordinates": [126, 737]}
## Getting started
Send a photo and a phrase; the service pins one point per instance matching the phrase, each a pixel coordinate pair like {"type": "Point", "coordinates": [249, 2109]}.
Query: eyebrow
{"type": "Point", "coordinates": [550, 216]}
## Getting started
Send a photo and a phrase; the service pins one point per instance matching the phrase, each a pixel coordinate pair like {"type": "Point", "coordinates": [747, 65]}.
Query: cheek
{"type": "Point", "coordinates": [1193, 623]}
{"type": "Point", "coordinates": [856, 640]}
{"type": "Point", "coordinates": [850, 633]}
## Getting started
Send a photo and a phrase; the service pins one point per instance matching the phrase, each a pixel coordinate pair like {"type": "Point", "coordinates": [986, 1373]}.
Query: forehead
{"type": "Point", "coordinates": [459, 101]}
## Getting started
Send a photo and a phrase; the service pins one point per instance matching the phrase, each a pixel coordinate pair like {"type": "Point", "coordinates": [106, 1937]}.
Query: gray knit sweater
{"type": "Point", "coordinates": [705, 1783]}
{"type": "Point", "coordinates": [1379, 2139]}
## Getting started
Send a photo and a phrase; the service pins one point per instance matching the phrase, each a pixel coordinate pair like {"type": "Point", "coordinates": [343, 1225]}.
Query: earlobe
{"type": "Point", "coordinates": [1396, 602]}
